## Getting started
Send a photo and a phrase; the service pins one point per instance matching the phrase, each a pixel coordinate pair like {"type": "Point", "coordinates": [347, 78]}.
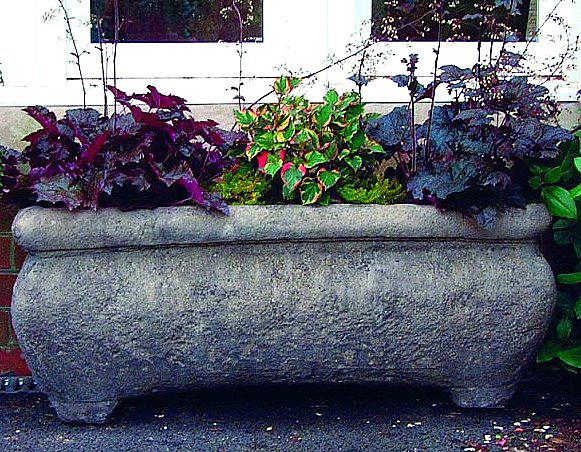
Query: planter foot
{"type": "Point", "coordinates": [83, 412]}
{"type": "Point", "coordinates": [483, 397]}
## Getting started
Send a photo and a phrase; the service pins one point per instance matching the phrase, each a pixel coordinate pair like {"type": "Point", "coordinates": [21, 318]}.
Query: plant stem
{"type": "Point", "coordinates": [426, 155]}
{"type": "Point", "coordinates": [360, 73]}
{"type": "Point", "coordinates": [353, 54]}
{"type": "Point", "coordinates": [240, 52]}
{"type": "Point", "coordinates": [115, 42]}
{"type": "Point", "coordinates": [103, 66]}
{"type": "Point", "coordinates": [76, 52]}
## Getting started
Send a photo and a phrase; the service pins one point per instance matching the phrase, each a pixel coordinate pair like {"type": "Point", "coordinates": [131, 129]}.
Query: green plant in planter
{"type": "Point", "coordinates": [244, 185]}
{"type": "Point", "coordinates": [560, 186]}
{"type": "Point", "coordinates": [373, 187]}
{"type": "Point", "coordinates": [309, 150]}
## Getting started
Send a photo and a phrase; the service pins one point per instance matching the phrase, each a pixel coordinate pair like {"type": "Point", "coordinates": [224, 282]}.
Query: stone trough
{"type": "Point", "coordinates": [114, 304]}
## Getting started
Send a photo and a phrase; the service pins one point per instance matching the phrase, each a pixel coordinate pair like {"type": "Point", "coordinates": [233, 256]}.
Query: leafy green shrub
{"type": "Point", "coordinates": [309, 150]}
{"type": "Point", "coordinates": [373, 188]}
{"type": "Point", "coordinates": [560, 186]}
{"type": "Point", "coordinates": [243, 185]}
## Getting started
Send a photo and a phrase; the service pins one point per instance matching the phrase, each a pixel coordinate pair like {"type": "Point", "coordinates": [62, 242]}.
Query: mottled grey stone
{"type": "Point", "coordinates": [113, 304]}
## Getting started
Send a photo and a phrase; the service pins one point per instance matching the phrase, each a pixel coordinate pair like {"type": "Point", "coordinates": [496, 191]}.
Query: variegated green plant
{"type": "Point", "coordinates": [308, 149]}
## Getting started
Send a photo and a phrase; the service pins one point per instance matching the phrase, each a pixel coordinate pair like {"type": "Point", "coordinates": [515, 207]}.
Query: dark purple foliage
{"type": "Point", "coordinates": [142, 158]}
{"type": "Point", "coordinates": [471, 152]}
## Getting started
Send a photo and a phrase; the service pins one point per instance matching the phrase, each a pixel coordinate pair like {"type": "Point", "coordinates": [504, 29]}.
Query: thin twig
{"type": "Point", "coordinates": [76, 52]}
{"type": "Point", "coordinates": [360, 73]}
{"type": "Point", "coordinates": [115, 42]}
{"type": "Point", "coordinates": [353, 54]}
{"type": "Point", "coordinates": [435, 81]}
{"type": "Point", "coordinates": [103, 66]}
{"type": "Point", "coordinates": [240, 52]}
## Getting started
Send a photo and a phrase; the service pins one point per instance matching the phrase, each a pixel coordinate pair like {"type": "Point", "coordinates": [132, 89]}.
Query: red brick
{"type": "Point", "coordinates": [6, 285]}
{"type": "Point", "coordinates": [5, 244]}
{"type": "Point", "coordinates": [12, 362]}
{"type": "Point", "coordinates": [5, 329]}
{"type": "Point", "coordinates": [19, 256]}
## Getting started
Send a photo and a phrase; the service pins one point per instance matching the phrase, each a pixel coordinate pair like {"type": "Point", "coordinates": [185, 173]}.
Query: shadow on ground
{"type": "Point", "coordinates": [545, 415]}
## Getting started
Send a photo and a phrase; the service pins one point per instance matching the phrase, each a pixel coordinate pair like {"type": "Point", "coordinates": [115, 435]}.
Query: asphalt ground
{"type": "Point", "coordinates": [544, 415]}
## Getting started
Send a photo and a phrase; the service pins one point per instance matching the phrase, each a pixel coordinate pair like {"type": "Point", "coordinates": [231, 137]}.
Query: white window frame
{"type": "Point", "coordinates": [37, 66]}
{"type": "Point", "coordinates": [355, 19]}
{"type": "Point", "coordinates": [203, 73]}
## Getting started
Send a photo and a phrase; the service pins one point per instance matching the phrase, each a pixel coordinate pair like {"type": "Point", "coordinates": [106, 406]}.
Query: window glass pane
{"type": "Point", "coordinates": [416, 20]}
{"type": "Point", "coordinates": [176, 20]}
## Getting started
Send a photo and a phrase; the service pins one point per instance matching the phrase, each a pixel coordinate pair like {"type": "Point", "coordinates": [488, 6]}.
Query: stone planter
{"type": "Point", "coordinates": [116, 304]}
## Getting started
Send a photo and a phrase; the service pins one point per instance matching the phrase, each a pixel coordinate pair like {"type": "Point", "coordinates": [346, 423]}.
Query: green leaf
{"type": "Point", "coordinates": [571, 356]}
{"type": "Point", "coordinates": [538, 170]}
{"type": "Point", "coordinates": [294, 81]}
{"type": "Point", "coordinates": [265, 140]}
{"type": "Point", "coordinates": [549, 351]}
{"type": "Point", "coordinates": [565, 327]}
{"type": "Point", "coordinates": [553, 176]}
{"type": "Point", "coordinates": [564, 237]}
{"type": "Point", "coordinates": [559, 202]}
{"type": "Point", "coordinates": [329, 178]}
{"type": "Point", "coordinates": [578, 163]}
{"type": "Point", "coordinates": [569, 278]}
{"type": "Point", "coordinates": [358, 139]}
{"type": "Point", "coordinates": [564, 224]}
{"type": "Point", "coordinates": [576, 192]}
{"type": "Point", "coordinates": [292, 177]}
{"type": "Point", "coordinates": [577, 308]}
{"type": "Point", "coordinates": [535, 182]}
{"type": "Point", "coordinates": [282, 86]}
{"type": "Point", "coordinates": [273, 165]}
{"type": "Point", "coordinates": [302, 137]}
{"type": "Point", "coordinates": [244, 118]}
{"type": "Point", "coordinates": [332, 97]}
{"type": "Point", "coordinates": [354, 162]}
{"type": "Point", "coordinates": [323, 116]}
{"type": "Point", "coordinates": [325, 199]}
{"type": "Point", "coordinates": [374, 147]}
{"type": "Point", "coordinates": [351, 129]}
{"type": "Point", "coordinates": [577, 246]}
{"type": "Point", "coordinates": [253, 151]}
{"type": "Point", "coordinates": [315, 158]}
{"type": "Point", "coordinates": [344, 153]}
{"type": "Point", "coordinates": [311, 192]}
{"type": "Point", "coordinates": [289, 132]}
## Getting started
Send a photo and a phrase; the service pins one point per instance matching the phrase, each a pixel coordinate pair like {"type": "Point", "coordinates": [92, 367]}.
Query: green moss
{"type": "Point", "coordinates": [372, 190]}
{"type": "Point", "coordinates": [244, 186]}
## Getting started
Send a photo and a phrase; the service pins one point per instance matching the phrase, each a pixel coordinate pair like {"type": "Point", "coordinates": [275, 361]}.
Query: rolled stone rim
{"type": "Point", "coordinates": [38, 229]}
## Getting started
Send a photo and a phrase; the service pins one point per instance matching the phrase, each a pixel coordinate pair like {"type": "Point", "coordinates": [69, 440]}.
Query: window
{"type": "Point", "coordinates": [177, 21]}
{"type": "Point", "coordinates": [189, 47]}
{"type": "Point", "coordinates": [416, 20]}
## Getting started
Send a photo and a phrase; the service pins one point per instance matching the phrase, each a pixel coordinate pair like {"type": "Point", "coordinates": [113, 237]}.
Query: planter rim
{"type": "Point", "coordinates": [51, 229]}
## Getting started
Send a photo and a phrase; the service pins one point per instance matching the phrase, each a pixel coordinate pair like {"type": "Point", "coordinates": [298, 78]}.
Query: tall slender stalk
{"type": "Point", "coordinates": [426, 153]}
{"type": "Point", "coordinates": [115, 42]}
{"type": "Point", "coordinates": [360, 73]}
{"type": "Point", "coordinates": [240, 53]}
{"type": "Point", "coordinates": [104, 77]}
{"type": "Point", "coordinates": [368, 44]}
{"type": "Point", "coordinates": [76, 53]}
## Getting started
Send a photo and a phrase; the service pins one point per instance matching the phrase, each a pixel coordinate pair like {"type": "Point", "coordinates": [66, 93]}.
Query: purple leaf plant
{"type": "Point", "coordinates": [152, 154]}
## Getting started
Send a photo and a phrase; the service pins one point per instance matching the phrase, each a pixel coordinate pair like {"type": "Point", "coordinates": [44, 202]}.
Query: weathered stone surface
{"type": "Point", "coordinates": [112, 304]}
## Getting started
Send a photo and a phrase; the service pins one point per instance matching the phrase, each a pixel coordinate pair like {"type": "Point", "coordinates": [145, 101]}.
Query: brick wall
{"type": "Point", "coordinates": [11, 259]}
